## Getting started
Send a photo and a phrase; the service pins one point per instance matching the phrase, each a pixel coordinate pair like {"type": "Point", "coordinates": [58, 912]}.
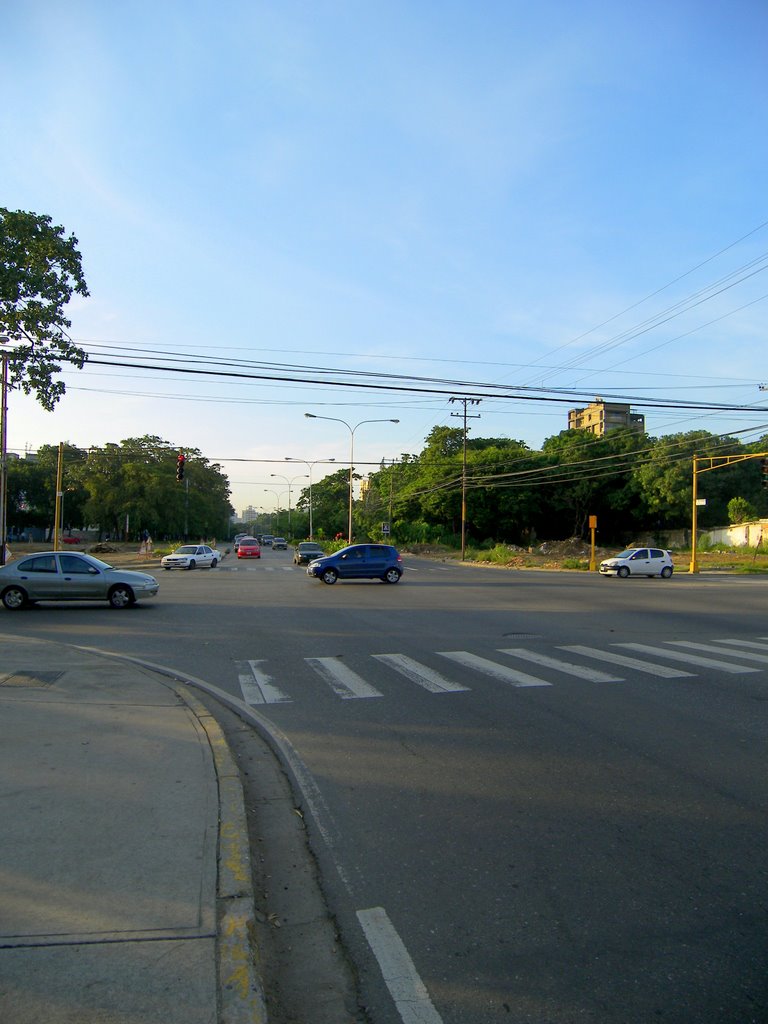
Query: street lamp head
{"type": "Point", "coordinates": [310, 415]}
{"type": "Point", "coordinates": [394, 421]}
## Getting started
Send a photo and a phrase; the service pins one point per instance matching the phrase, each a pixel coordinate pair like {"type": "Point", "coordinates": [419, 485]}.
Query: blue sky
{"type": "Point", "coordinates": [492, 192]}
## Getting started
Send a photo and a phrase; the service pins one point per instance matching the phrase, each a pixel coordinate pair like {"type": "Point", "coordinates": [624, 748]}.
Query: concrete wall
{"type": "Point", "coordinates": [743, 535]}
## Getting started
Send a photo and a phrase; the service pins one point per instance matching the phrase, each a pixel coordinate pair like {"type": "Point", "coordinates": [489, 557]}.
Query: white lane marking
{"type": "Point", "coordinates": [420, 674]}
{"type": "Point", "coordinates": [400, 976]}
{"type": "Point", "coordinates": [256, 686]}
{"type": "Point", "coordinates": [592, 674]}
{"type": "Point", "coordinates": [664, 671]}
{"type": "Point", "coordinates": [707, 648]}
{"type": "Point", "coordinates": [343, 681]}
{"type": "Point", "coordinates": [689, 659]}
{"type": "Point", "coordinates": [493, 669]}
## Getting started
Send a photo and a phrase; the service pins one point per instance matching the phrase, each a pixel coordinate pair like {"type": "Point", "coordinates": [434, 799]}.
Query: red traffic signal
{"type": "Point", "coordinates": [180, 466]}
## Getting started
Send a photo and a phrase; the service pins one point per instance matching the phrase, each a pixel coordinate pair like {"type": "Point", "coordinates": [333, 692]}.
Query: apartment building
{"type": "Point", "coordinates": [599, 417]}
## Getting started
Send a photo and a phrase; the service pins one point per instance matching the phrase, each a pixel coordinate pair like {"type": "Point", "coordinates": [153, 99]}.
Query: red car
{"type": "Point", "coordinates": [248, 548]}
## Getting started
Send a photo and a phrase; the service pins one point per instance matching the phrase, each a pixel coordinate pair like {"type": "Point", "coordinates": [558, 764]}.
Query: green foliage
{"type": "Point", "coordinates": [121, 489]}
{"type": "Point", "coordinates": [40, 270]}
{"type": "Point", "coordinates": [741, 511]}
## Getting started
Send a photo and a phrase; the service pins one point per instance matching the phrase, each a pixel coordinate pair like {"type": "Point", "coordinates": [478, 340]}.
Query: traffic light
{"type": "Point", "coordinates": [180, 466]}
{"type": "Point", "coordinates": [764, 464]}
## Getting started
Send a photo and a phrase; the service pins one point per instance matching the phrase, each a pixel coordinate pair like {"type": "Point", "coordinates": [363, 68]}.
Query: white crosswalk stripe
{"type": "Point", "coordinates": [420, 674]}
{"type": "Point", "coordinates": [690, 659]}
{"type": "Point", "coordinates": [256, 686]}
{"type": "Point", "coordinates": [259, 687]}
{"type": "Point", "coordinates": [493, 669]}
{"type": "Point", "coordinates": [744, 643]}
{"type": "Point", "coordinates": [613, 657]}
{"type": "Point", "coordinates": [344, 682]}
{"type": "Point", "coordinates": [709, 649]}
{"type": "Point", "coordinates": [592, 674]}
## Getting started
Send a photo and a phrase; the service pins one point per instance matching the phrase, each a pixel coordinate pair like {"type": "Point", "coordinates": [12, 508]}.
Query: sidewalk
{"type": "Point", "coordinates": [125, 886]}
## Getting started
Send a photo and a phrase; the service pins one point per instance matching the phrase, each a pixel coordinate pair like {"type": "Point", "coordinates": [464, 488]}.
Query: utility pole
{"type": "Point", "coordinates": [465, 402]}
{"type": "Point", "coordinates": [3, 449]}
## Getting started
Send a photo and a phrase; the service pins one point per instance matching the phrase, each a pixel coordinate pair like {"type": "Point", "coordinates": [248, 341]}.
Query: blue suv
{"type": "Point", "coordinates": [359, 562]}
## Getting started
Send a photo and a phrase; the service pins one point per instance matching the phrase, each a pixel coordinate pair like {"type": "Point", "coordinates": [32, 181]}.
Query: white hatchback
{"type": "Point", "coordinates": [639, 562]}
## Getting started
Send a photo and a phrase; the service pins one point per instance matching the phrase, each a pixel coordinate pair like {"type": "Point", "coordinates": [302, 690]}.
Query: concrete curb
{"type": "Point", "coordinates": [241, 994]}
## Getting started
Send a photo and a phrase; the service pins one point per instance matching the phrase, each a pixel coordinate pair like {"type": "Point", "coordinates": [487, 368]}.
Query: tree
{"type": "Point", "coordinates": [740, 511]}
{"type": "Point", "coordinates": [330, 504]}
{"type": "Point", "coordinates": [40, 270]}
{"type": "Point", "coordinates": [132, 486]}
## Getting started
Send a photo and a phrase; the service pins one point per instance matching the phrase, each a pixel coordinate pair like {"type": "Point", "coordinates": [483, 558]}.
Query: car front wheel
{"type": "Point", "coordinates": [214, 562]}
{"type": "Point", "coordinates": [622, 571]}
{"type": "Point", "coordinates": [329, 576]}
{"type": "Point", "coordinates": [121, 596]}
{"type": "Point", "coordinates": [14, 598]}
{"type": "Point", "coordinates": [192, 563]}
{"type": "Point", "coordinates": [392, 576]}
{"type": "Point", "coordinates": [666, 572]}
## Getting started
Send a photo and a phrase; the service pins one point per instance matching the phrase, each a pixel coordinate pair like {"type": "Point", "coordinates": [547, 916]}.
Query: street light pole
{"type": "Point", "coordinates": [351, 429]}
{"type": "Point", "coordinates": [310, 464]}
{"type": "Point", "coordinates": [302, 476]}
{"type": "Point", "coordinates": [277, 507]}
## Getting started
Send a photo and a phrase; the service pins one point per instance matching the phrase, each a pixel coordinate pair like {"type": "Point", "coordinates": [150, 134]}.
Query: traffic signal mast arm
{"type": "Point", "coordinates": [716, 462]}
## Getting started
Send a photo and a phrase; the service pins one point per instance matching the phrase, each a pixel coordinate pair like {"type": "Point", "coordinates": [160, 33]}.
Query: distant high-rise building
{"type": "Point", "coordinates": [599, 417]}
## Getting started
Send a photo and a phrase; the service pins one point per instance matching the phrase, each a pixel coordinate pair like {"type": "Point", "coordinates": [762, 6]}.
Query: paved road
{"type": "Point", "coordinates": [549, 787]}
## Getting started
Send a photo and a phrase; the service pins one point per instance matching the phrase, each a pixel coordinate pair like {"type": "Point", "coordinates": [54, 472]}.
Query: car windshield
{"type": "Point", "coordinates": [188, 549]}
{"type": "Point", "coordinates": [98, 562]}
{"type": "Point", "coordinates": [626, 554]}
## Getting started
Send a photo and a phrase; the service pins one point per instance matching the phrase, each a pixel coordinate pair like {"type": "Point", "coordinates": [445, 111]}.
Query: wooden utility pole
{"type": "Point", "coordinates": [465, 402]}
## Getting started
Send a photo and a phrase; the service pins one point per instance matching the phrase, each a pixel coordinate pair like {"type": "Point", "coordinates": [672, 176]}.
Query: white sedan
{"type": "Point", "coordinates": [639, 562]}
{"type": "Point", "coordinates": [192, 556]}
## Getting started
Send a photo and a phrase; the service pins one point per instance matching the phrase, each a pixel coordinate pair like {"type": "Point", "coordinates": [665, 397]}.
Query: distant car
{"type": "Point", "coordinates": [192, 556]}
{"type": "Point", "coordinates": [248, 548]}
{"type": "Point", "coordinates": [279, 544]}
{"type": "Point", "coordinates": [306, 552]}
{"type": "Point", "coordinates": [359, 562]}
{"type": "Point", "coordinates": [639, 562]}
{"type": "Point", "coordinates": [72, 540]}
{"type": "Point", "coordinates": [266, 540]}
{"type": "Point", "coordinates": [71, 576]}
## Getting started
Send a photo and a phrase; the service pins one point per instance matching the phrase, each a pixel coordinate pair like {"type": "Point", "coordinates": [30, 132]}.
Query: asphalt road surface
{"type": "Point", "coordinates": [537, 797]}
